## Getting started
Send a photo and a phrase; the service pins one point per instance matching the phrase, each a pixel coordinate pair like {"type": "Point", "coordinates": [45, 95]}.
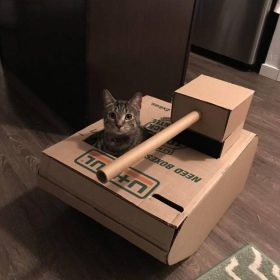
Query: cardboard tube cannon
{"type": "Point", "coordinates": [132, 156]}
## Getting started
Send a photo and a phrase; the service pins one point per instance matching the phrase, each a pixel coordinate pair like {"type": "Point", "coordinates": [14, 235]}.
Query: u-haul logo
{"type": "Point", "coordinates": [131, 180]}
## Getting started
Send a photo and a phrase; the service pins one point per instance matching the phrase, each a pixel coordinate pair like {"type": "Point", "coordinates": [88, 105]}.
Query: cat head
{"type": "Point", "coordinates": [121, 117]}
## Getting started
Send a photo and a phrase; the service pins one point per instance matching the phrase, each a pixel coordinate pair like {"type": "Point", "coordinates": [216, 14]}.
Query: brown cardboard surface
{"type": "Point", "coordinates": [238, 116]}
{"type": "Point", "coordinates": [152, 201]}
{"type": "Point", "coordinates": [109, 203]}
{"type": "Point", "coordinates": [214, 91]}
{"type": "Point", "coordinates": [224, 106]}
{"type": "Point", "coordinates": [207, 211]}
{"type": "Point", "coordinates": [233, 137]}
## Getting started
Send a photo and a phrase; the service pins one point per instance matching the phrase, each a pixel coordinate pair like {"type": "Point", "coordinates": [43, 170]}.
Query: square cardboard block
{"type": "Point", "coordinates": [224, 106]}
{"type": "Point", "coordinates": [167, 203]}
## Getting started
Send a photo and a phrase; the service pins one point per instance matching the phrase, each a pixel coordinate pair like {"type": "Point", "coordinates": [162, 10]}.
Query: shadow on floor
{"type": "Point", "coordinates": [68, 244]}
{"type": "Point", "coordinates": [25, 110]}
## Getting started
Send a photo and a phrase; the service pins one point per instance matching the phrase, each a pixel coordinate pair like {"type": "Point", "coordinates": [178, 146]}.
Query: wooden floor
{"type": "Point", "coordinates": [42, 238]}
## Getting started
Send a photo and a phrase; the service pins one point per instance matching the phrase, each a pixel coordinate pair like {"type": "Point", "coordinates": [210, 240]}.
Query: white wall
{"type": "Point", "coordinates": [271, 67]}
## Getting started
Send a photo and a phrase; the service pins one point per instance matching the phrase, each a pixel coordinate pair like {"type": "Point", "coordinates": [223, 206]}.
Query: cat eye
{"type": "Point", "coordinates": [128, 117]}
{"type": "Point", "coordinates": [112, 115]}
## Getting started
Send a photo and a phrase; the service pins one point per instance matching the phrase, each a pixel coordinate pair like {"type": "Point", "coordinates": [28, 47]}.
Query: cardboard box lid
{"type": "Point", "coordinates": [215, 91]}
{"type": "Point", "coordinates": [168, 183]}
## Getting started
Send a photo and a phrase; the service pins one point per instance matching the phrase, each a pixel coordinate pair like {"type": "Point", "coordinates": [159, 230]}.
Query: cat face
{"type": "Point", "coordinates": [121, 117]}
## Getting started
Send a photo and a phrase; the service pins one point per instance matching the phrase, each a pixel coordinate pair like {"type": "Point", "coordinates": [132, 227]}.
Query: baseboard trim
{"type": "Point", "coordinates": [270, 71]}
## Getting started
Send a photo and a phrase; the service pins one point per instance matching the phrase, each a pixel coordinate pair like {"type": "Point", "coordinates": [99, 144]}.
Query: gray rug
{"type": "Point", "coordinates": [248, 263]}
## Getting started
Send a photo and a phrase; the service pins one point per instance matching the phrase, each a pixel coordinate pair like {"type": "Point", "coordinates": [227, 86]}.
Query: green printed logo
{"type": "Point", "coordinates": [160, 107]}
{"type": "Point", "coordinates": [132, 180]}
{"type": "Point", "coordinates": [155, 126]}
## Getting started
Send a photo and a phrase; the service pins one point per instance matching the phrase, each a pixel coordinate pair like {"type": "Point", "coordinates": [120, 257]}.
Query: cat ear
{"type": "Point", "coordinates": [108, 99]}
{"type": "Point", "coordinates": [136, 101]}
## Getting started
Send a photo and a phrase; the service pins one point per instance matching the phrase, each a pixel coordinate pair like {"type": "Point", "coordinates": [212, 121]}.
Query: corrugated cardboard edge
{"type": "Point", "coordinates": [205, 215]}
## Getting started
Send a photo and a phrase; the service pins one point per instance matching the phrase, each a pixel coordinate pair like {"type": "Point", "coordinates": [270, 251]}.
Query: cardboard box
{"type": "Point", "coordinates": [167, 203]}
{"type": "Point", "coordinates": [224, 106]}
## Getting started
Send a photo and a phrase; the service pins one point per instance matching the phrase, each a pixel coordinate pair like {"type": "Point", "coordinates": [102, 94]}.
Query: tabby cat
{"type": "Point", "coordinates": [122, 130]}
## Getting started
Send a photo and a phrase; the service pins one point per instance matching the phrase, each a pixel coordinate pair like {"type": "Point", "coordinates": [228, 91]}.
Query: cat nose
{"type": "Point", "coordinates": [119, 124]}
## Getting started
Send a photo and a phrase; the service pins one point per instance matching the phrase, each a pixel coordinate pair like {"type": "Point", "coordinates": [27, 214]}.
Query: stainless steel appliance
{"type": "Point", "coordinates": [232, 28]}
